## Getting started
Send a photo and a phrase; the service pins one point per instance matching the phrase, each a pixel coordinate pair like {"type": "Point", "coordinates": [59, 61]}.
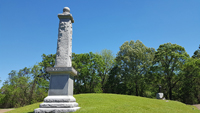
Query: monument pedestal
{"type": "Point", "coordinates": [60, 96]}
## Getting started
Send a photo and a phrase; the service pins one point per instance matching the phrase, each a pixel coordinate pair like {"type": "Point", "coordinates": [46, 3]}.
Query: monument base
{"type": "Point", "coordinates": [55, 110]}
{"type": "Point", "coordinates": [159, 95]}
{"type": "Point", "coordinates": [58, 104]}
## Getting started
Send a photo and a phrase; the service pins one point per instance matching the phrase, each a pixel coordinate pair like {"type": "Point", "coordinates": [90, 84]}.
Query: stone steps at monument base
{"type": "Point", "coordinates": [59, 99]}
{"type": "Point", "coordinates": [55, 110]}
{"type": "Point", "coordinates": [59, 105]}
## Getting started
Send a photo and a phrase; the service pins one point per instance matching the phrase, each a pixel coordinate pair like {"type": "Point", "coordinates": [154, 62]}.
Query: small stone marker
{"type": "Point", "coordinates": [159, 95]}
{"type": "Point", "coordinates": [60, 95]}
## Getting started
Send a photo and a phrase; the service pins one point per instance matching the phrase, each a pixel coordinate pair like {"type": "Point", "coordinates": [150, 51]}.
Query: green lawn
{"type": "Point", "coordinates": [113, 103]}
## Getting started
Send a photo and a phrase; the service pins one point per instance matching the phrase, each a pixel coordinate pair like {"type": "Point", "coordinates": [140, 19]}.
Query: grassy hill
{"type": "Point", "coordinates": [114, 103]}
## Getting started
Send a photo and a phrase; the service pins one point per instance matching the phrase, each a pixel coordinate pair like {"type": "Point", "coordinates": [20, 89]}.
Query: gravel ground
{"type": "Point", "coordinates": [5, 110]}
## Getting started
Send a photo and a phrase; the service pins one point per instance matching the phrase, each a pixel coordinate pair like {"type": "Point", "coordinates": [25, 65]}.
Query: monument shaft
{"type": "Point", "coordinates": [64, 43]}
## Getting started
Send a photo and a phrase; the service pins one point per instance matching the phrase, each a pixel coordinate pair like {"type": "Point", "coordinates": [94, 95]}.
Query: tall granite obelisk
{"type": "Point", "coordinates": [60, 95]}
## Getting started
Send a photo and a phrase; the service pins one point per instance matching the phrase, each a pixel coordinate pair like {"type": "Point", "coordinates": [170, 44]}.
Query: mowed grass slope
{"type": "Point", "coordinates": [114, 103]}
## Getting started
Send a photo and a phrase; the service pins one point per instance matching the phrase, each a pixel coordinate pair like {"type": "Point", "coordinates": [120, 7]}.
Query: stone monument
{"type": "Point", "coordinates": [159, 95]}
{"type": "Point", "coordinates": [60, 95]}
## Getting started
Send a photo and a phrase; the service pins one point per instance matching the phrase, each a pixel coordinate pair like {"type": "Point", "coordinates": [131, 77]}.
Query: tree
{"type": "Point", "coordinates": [135, 60]}
{"type": "Point", "coordinates": [114, 82]}
{"type": "Point", "coordinates": [108, 59]}
{"type": "Point", "coordinates": [197, 53]}
{"type": "Point", "coordinates": [88, 65]}
{"type": "Point", "coordinates": [169, 58]}
{"type": "Point", "coordinates": [16, 89]}
{"type": "Point", "coordinates": [36, 72]}
{"type": "Point", "coordinates": [190, 85]}
{"type": "Point", "coordinates": [23, 87]}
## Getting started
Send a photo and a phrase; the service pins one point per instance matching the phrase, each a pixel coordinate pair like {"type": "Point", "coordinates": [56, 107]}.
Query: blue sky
{"type": "Point", "coordinates": [29, 28]}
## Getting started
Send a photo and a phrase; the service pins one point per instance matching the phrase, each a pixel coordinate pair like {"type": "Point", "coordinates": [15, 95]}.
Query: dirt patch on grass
{"type": "Point", "coordinates": [197, 105]}
{"type": "Point", "coordinates": [5, 110]}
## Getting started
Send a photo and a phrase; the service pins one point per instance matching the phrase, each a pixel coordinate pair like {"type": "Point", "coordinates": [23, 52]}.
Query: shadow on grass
{"type": "Point", "coordinates": [31, 112]}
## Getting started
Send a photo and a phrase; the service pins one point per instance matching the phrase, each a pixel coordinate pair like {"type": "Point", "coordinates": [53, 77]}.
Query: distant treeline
{"type": "Point", "coordinates": [136, 70]}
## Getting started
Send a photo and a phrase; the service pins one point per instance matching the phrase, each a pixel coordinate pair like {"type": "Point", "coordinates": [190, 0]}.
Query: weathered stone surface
{"type": "Point", "coordinates": [58, 105]}
{"type": "Point", "coordinates": [55, 110]}
{"type": "Point", "coordinates": [59, 99]}
{"type": "Point", "coordinates": [60, 70]}
{"type": "Point", "coordinates": [64, 43]}
{"type": "Point", "coordinates": [159, 95]}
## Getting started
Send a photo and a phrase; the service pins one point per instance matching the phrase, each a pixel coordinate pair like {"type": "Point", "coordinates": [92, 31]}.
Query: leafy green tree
{"type": "Point", "coordinates": [190, 85]}
{"type": "Point", "coordinates": [109, 60]}
{"type": "Point", "coordinates": [114, 82]}
{"type": "Point", "coordinates": [135, 60]}
{"type": "Point", "coordinates": [16, 89]}
{"type": "Point", "coordinates": [22, 88]}
{"type": "Point", "coordinates": [36, 72]}
{"type": "Point", "coordinates": [88, 65]}
{"type": "Point", "coordinates": [197, 53]}
{"type": "Point", "coordinates": [169, 58]}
